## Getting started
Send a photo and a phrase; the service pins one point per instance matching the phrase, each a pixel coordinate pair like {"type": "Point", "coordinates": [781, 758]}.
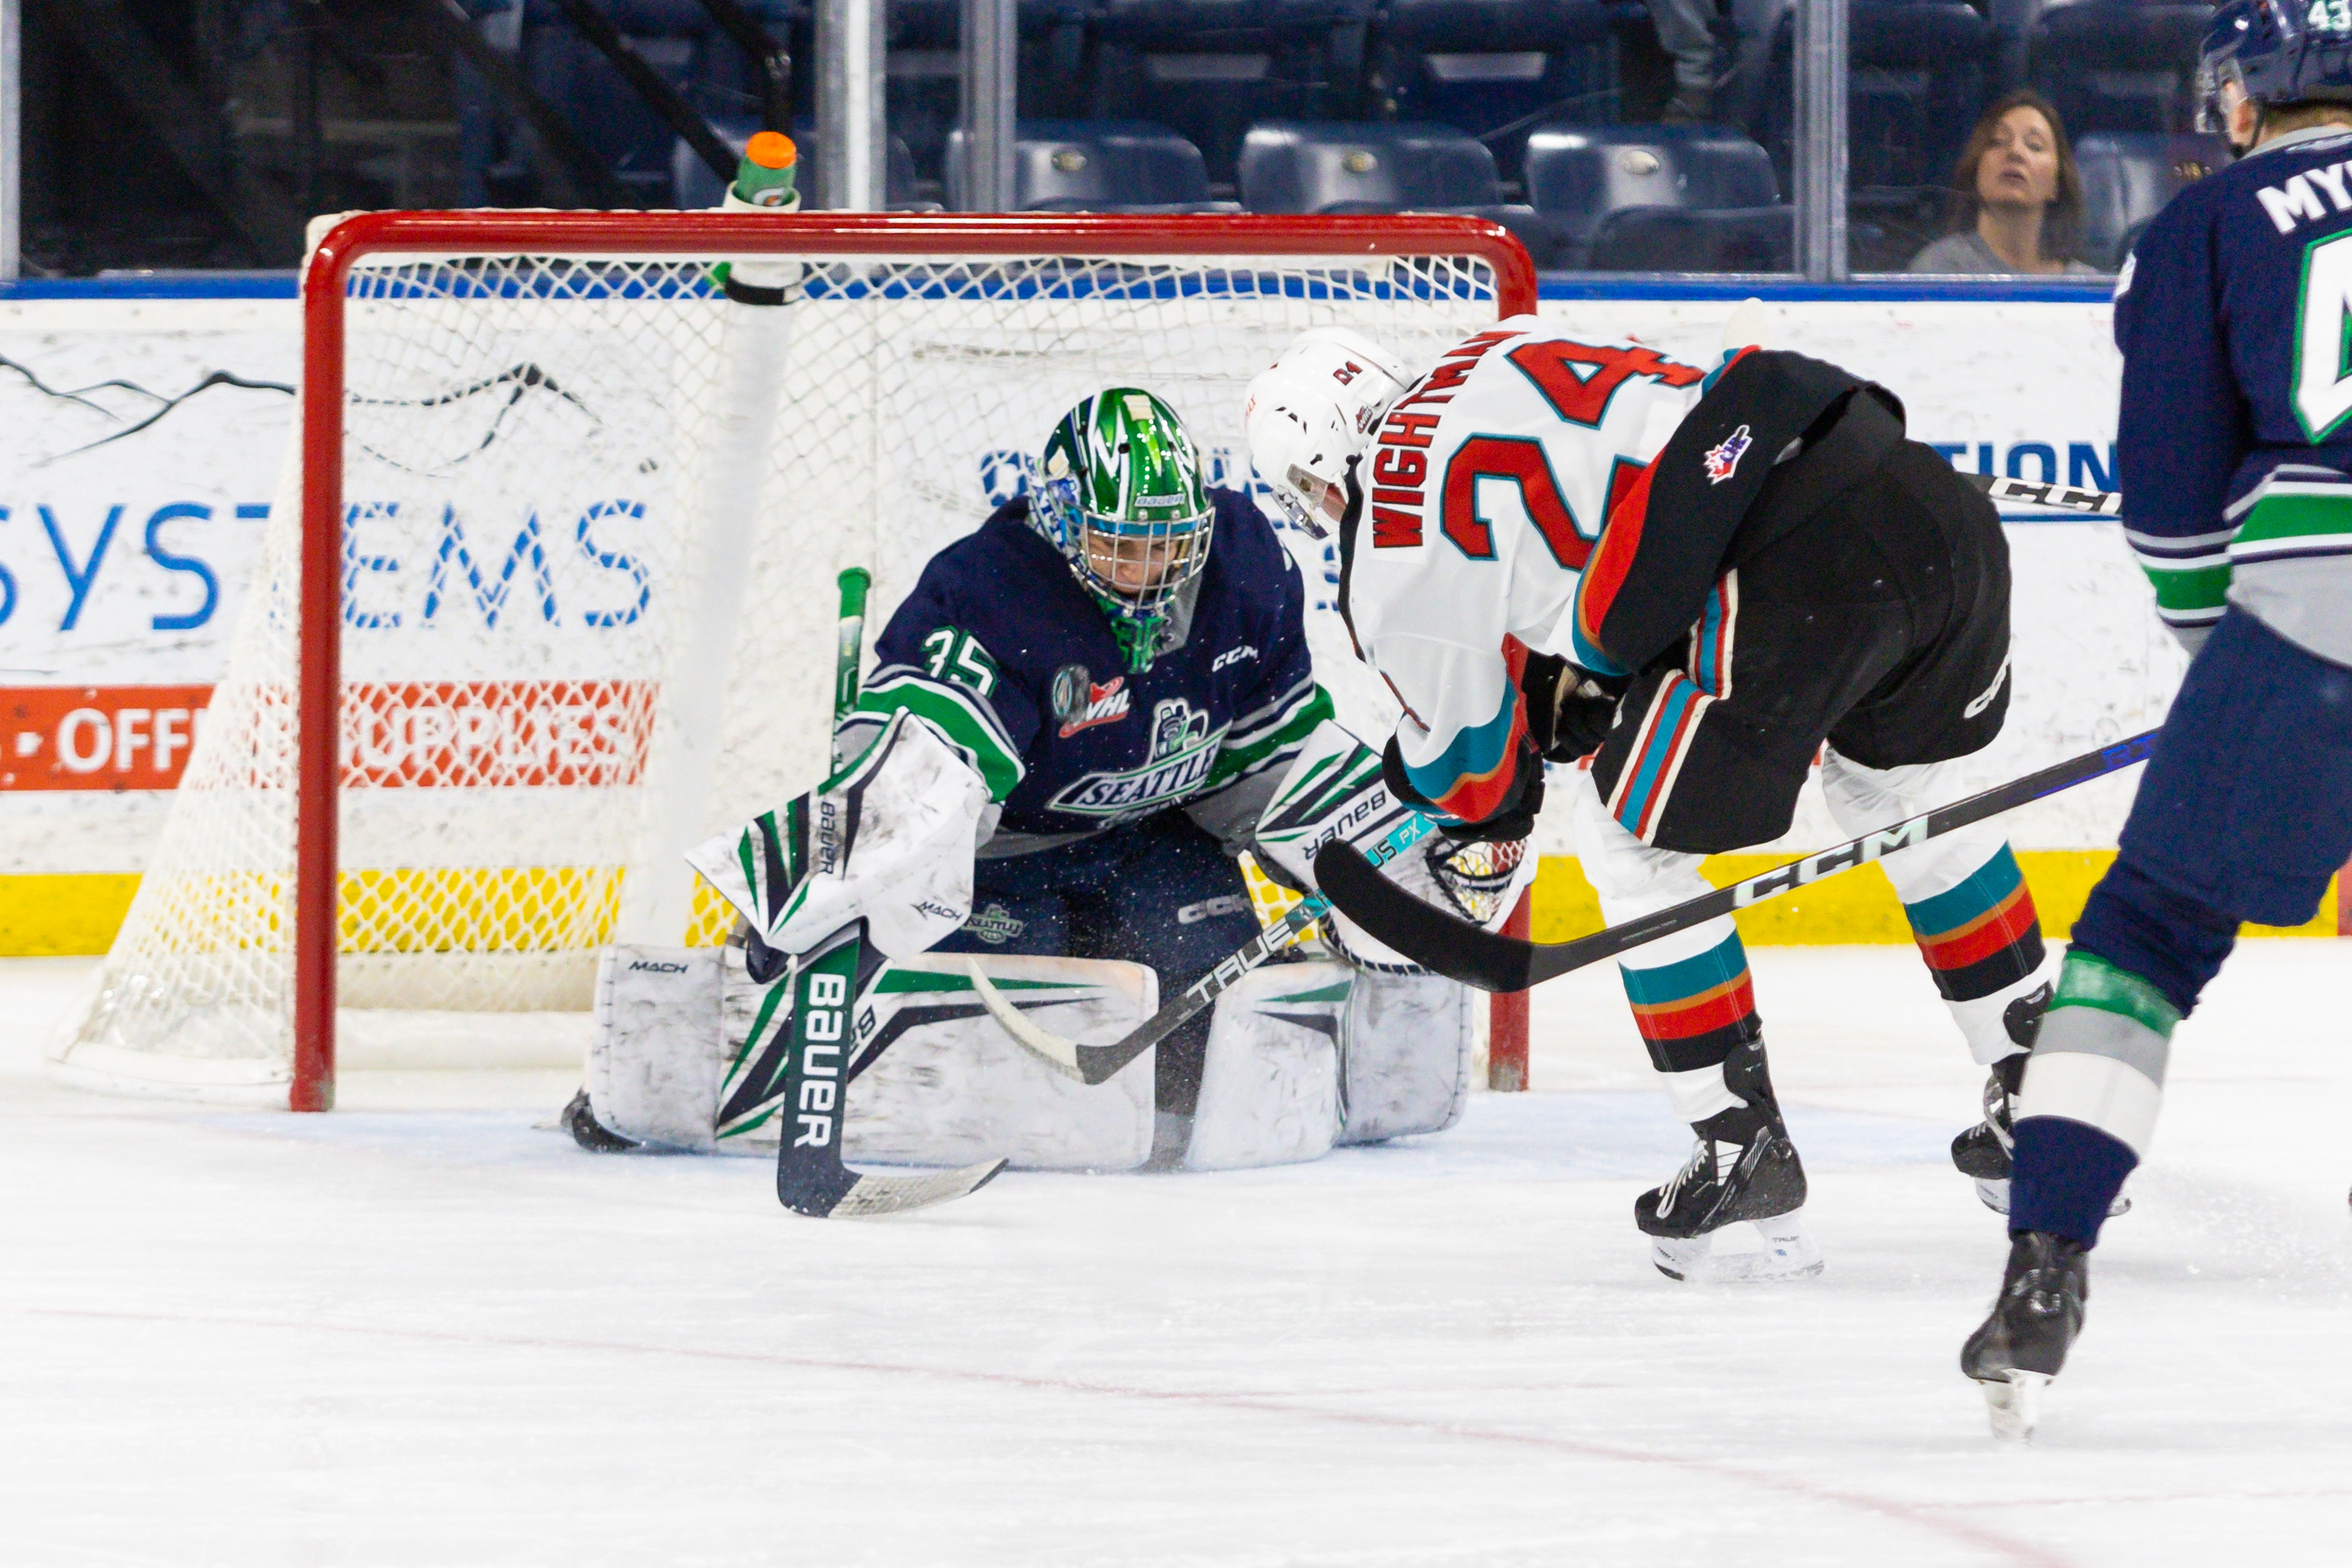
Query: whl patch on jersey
{"type": "Point", "coordinates": [1080, 704]}
{"type": "Point", "coordinates": [1722, 459]}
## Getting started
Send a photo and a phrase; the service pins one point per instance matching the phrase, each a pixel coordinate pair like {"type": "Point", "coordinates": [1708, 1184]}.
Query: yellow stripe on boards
{"type": "Point", "coordinates": [534, 909]}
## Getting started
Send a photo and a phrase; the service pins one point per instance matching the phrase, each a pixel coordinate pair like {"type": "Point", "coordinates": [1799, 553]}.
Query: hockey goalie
{"type": "Point", "coordinates": [1082, 717]}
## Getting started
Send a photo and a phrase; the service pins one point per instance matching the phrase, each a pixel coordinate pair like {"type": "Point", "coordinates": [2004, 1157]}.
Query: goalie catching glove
{"type": "Point", "coordinates": [888, 840]}
{"type": "Point", "coordinates": [1335, 791]}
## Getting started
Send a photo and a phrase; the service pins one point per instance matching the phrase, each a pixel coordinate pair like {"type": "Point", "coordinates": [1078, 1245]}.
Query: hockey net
{"type": "Point", "coordinates": [575, 519]}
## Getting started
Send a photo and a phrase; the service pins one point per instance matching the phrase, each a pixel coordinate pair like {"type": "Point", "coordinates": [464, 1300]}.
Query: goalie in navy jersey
{"type": "Point", "coordinates": [1079, 718]}
{"type": "Point", "coordinates": [2234, 453]}
{"type": "Point", "coordinates": [1122, 656]}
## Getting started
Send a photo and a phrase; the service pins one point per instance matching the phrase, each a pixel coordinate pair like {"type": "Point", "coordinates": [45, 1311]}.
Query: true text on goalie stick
{"type": "Point", "coordinates": [1094, 1065]}
{"type": "Point", "coordinates": [1460, 951]}
{"type": "Point", "coordinates": [828, 983]}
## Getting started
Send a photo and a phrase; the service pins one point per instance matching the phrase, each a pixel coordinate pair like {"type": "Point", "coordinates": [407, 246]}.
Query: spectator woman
{"type": "Point", "coordinates": [2017, 197]}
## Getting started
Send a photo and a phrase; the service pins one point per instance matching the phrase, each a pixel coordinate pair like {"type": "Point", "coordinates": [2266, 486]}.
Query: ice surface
{"type": "Point", "coordinates": [443, 1335]}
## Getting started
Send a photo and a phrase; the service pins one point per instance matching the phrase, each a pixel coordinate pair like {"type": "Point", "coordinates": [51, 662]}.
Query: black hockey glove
{"type": "Point", "coordinates": [1570, 710]}
{"type": "Point", "coordinates": [1516, 819]}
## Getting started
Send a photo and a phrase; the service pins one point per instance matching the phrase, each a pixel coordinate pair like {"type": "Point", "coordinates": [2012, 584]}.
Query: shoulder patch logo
{"type": "Point", "coordinates": [1231, 657]}
{"type": "Point", "coordinates": [1080, 704]}
{"type": "Point", "coordinates": [1723, 460]}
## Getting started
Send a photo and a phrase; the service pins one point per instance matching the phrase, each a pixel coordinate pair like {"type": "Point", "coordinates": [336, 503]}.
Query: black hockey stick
{"type": "Point", "coordinates": [1460, 951]}
{"type": "Point", "coordinates": [1094, 1065]}
{"type": "Point", "coordinates": [827, 983]}
{"type": "Point", "coordinates": [810, 1177]}
{"type": "Point", "coordinates": [2059, 498]}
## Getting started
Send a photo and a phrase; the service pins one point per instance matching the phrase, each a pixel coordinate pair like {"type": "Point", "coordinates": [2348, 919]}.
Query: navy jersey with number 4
{"type": "Point", "coordinates": [1002, 649]}
{"type": "Point", "coordinates": [2235, 443]}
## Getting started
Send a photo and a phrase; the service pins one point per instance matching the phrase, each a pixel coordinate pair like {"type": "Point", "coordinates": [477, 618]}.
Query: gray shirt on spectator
{"type": "Point", "coordinates": [1968, 252]}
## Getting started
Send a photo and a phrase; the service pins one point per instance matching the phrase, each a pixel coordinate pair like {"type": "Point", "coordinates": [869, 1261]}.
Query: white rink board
{"type": "Point", "coordinates": [2013, 387]}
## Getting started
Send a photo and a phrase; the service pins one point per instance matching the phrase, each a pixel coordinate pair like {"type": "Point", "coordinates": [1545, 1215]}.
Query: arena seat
{"type": "Point", "coordinates": [1210, 68]}
{"type": "Point", "coordinates": [2119, 65]}
{"type": "Point", "coordinates": [2127, 178]}
{"type": "Point", "coordinates": [1917, 86]}
{"type": "Point", "coordinates": [675, 37]}
{"type": "Point", "coordinates": [694, 187]}
{"type": "Point", "coordinates": [1676, 239]}
{"type": "Point", "coordinates": [1578, 175]}
{"type": "Point", "coordinates": [925, 67]}
{"type": "Point", "coordinates": [1290, 167]}
{"type": "Point", "coordinates": [1483, 64]}
{"type": "Point", "coordinates": [1097, 167]}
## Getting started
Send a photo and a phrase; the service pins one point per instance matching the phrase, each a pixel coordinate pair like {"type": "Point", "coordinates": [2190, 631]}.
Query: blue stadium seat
{"type": "Point", "coordinates": [695, 187]}
{"type": "Point", "coordinates": [2119, 65]}
{"type": "Point", "coordinates": [925, 41]}
{"type": "Point", "coordinates": [1097, 167]}
{"type": "Point", "coordinates": [1483, 64]}
{"type": "Point", "coordinates": [1208, 68]}
{"type": "Point", "coordinates": [1669, 239]}
{"type": "Point", "coordinates": [676, 37]}
{"type": "Point", "coordinates": [1917, 86]}
{"type": "Point", "coordinates": [1578, 175]}
{"type": "Point", "coordinates": [2127, 178]}
{"type": "Point", "coordinates": [1291, 167]}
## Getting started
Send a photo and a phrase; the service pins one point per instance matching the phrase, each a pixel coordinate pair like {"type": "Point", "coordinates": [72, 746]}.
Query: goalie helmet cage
{"type": "Point", "coordinates": [546, 595]}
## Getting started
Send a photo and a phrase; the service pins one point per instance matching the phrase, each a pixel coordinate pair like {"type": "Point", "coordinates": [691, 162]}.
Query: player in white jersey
{"type": "Point", "coordinates": [1555, 547]}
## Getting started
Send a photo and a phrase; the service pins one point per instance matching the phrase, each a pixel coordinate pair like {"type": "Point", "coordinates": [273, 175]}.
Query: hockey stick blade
{"type": "Point", "coordinates": [2058, 498]}
{"type": "Point", "coordinates": [867, 1196]}
{"type": "Point", "coordinates": [1460, 951]}
{"type": "Point", "coordinates": [1095, 1064]}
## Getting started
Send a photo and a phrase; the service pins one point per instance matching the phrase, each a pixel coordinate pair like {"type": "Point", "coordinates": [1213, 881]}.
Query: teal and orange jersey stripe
{"type": "Point", "coordinates": [1981, 935]}
{"type": "Point", "coordinates": [1472, 777]}
{"type": "Point", "coordinates": [1691, 1013]}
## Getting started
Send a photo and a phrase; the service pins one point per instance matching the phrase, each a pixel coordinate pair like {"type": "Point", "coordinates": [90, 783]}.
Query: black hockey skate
{"type": "Point", "coordinates": [579, 1119]}
{"type": "Point", "coordinates": [1982, 1152]}
{"type": "Point", "coordinates": [2021, 1346]}
{"type": "Point", "coordinates": [1743, 1168]}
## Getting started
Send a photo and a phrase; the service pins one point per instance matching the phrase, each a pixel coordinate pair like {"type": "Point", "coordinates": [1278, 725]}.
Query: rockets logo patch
{"type": "Point", "coordinates": [1723, 460]}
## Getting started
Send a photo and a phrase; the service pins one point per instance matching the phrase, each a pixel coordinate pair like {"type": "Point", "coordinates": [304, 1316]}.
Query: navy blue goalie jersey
{"type": "Point", "coordinates": [2235, 443]}
{"type": "Point", "coordinates": [1001, 648]}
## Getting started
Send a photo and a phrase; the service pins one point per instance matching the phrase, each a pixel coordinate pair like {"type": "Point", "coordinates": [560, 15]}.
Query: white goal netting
{"type": "Point", "coordinates": [593, 516]}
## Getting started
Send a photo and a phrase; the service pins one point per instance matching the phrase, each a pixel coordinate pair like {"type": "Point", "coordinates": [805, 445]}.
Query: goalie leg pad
{"type": "Point", "coordinates": [1270, 1080]}
{"type": "Point", "coordinates": [1406, 1044]}
{"type": "Point", "coordinates": [653, 1053]}
{"type": "Point", "coordinates": [935, 1081]}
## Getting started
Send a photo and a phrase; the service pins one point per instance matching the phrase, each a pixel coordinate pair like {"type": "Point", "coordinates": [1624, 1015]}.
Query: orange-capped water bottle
{"type": "Point", "coordinates": [765, 177]}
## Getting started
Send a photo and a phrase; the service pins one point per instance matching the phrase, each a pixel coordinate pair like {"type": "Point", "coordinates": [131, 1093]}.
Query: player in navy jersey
{"type": "Point", "coordinates": [2234, 449]}
{"type": "Point", "coordinates": [1122, 657]}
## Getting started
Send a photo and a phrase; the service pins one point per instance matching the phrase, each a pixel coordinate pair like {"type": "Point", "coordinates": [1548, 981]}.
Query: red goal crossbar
{"type": "Point", "coordinates": [318, 769]}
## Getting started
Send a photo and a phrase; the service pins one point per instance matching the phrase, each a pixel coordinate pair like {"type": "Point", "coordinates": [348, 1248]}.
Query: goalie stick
{"type": "Point", "coordinates": [2059, 498]}
{"type": "Point", "coordinates": [1460, 951]}
{"type": "Point", "coordinates": [1094, 1065]}
{"type": "Point", "coordinates": [828, 983]}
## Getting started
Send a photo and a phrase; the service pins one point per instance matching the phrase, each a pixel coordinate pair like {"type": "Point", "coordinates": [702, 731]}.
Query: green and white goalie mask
{"type": "Point", "coordinates": [1121, 496]}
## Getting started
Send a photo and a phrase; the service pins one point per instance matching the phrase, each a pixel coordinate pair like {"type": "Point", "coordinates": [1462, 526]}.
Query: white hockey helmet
{"type": "Point", "coordinates": [1312, 410]}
